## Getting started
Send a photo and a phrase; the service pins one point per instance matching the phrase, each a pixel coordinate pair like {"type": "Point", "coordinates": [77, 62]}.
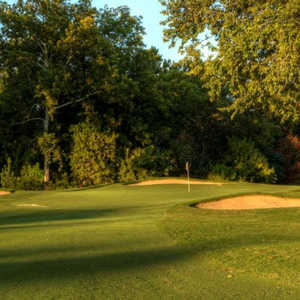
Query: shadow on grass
{"type": "Point", "coordinates": [18, 272]}
{"type": "Point", "coordinates": [56, 215]}
{"type": "Point", "coordinates": [12, 272]}
{"type": "Point", "coordinates": [240, 241]}
{"type": "Point", "coordinates": [48, 225]}
{"type": "Point", "coordinates": [87, 188]}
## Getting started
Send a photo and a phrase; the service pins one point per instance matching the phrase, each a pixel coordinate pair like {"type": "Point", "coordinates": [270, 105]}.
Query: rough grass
{"type": "Point", "coordinates": [121, 242]}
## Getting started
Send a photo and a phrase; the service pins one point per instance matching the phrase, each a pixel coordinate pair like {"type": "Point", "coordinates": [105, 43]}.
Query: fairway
{"type": "Point", "coordinates": [148, 242]}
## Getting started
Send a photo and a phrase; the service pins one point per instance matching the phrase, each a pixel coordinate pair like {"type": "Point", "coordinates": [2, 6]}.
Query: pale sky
{"type": "Point", "coordinates": [150, 11]}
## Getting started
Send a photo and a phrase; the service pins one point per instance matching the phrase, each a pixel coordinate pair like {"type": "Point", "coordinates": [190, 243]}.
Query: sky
{"type": "Point", "coordinates": [150, 10]}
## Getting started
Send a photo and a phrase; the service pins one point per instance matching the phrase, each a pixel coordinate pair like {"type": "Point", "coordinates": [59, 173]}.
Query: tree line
{"type": "Point", "coordinates": [83, 101]}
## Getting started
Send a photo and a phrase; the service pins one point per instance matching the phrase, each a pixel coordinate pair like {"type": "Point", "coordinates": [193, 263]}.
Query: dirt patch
{"type": "Point", "coordinates": [31, 205]}
{"type": "Point", "coordinates": [4, 193]}
{"type": "Point", "coordinates": [251, 202]}
{"type": "Point", "coordinates": [173, 181]}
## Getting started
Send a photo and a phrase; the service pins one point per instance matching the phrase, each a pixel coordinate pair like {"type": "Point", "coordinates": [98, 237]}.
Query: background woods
{"type": "Point", "coordinates": [83, 101]}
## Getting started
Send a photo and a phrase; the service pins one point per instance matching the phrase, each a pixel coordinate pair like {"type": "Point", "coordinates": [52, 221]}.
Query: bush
{"type": "Point", "coordinates": [139, 164]}
{"type": "Point", "coordinates": [126, 171]}
{"type": "Point", "coordinates": [222, 172]}
{"type": "Point", "coordinates": [31, 177]}
{"type": "Point", "coordinates": [62, 181]}
{"type": "Point", "coordinates": [289, 150]}
{"type": "Point", "coordinates": [156, 161]}
{"type": "Point", "coordinates": [7, 176]}
{"type": "Point", "coordinates": [277, 161]}
{"type": "Point", "coordinates": [243, 161]}
{"type": "Point", "coordinates": [129, 169]}
{"type": "Point", "coordinates": [93, 155]}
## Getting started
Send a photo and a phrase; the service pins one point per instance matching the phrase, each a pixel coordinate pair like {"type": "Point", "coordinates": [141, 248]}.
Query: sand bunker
{"type": "Point", "coordinates": [172, 181]}
{"type": "Point", "coordinates": [4, 193]}
{"type": "Point", "coordinates": [251, 202]}
{"type": "Point", "coordinates": [30, 205]}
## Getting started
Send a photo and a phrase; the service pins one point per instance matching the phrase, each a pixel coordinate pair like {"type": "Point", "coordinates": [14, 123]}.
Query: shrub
{"type": "Point", "coordinates": [50, 149]}
{"type": "Point", "coordinates": [289, 150]}
{"type": "Point", "coordinates": [156, 161]}
{"type": "Point", "coordinates": [222, 172]}
{"type": "Point", "coordinates": [61, 181]}
{"type": "Point", "coordinates": [93, 155]}
{"type": "Point", "coordinates": [7, 176]}
{"type": "Point", "coordinates": [139, 164]}
{"type": "Point", "coordinates": [129, 169]}
{"type": "Point", "coordinates": [277, 161]}
{"type": "Point", "coordinates": [31, 177]}
{"type": "Point", "coordinates": [243, 161]}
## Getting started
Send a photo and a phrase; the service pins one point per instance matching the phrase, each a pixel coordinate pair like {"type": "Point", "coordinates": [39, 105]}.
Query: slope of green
{"type": "Point", "coordinates": [122, 242]}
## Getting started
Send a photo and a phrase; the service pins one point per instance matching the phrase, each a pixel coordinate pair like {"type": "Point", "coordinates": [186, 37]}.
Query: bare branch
{"type": "Point", "coordinates": [75, 101]}
{"type": "Point", "coordinates": [56, 108]}
{"type": "Point", "coordinates": [29, 120]}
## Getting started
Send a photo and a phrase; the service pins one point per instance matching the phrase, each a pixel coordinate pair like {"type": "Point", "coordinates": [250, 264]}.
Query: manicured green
{"type": "Point", "coordinates": [122, 242]}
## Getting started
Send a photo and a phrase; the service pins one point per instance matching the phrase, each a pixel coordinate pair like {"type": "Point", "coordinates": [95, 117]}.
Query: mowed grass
{"type": "Point", "coordinates": [122, 242]}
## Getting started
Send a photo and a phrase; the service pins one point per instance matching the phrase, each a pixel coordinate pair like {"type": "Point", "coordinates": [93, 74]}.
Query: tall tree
{"type": "Point", "coordinates": [257, 61]}
{"type": "Point", "coordinates": [53, 56]}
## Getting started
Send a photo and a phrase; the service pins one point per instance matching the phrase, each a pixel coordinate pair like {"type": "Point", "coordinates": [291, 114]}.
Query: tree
{"type": "Point", "coordinates": [53, 55]}
{"type": "Point", "coordinates": [257, 58]}
{"type": "Point", "coordinates": [93, 155]}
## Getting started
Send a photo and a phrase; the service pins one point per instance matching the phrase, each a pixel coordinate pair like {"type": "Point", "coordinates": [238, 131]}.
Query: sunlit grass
{"type": "Point", "coordinates": [122, 242]}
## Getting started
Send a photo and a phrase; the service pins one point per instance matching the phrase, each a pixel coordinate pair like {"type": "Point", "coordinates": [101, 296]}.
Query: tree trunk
{"type": "Point", "coordinates": [46, 159]}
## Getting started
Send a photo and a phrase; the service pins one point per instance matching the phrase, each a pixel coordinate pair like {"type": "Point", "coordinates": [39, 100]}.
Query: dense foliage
{"type": "Point", "coordinates": [258, 53]}
{"type": "Point", "coordinates": [82, 96]}
{"type": "Point", "coordinates": [243, 161]}
{"type": "Point", "coordinates": [93, 155]}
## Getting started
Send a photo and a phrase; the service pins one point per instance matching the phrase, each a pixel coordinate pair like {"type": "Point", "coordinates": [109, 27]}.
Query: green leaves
{"type": "Point", "coordinates": [243, 161]}
{"type": "Point", "coordinates": [93, 155]}
{"type": "Point", "coordinates": [50, 149]}
{"type": "Point", "coordinates": [258, 50]}
{"type": "Point", "coordinates": [57, 55]}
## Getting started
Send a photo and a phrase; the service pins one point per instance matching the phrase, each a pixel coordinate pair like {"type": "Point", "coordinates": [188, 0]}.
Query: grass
{"type": "Point", "coordinates": [122, 242]}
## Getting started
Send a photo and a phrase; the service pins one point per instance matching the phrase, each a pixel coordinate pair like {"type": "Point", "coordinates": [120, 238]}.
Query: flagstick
{"type": "Point", "coordinates": [187, 167]}
{"type": "Point", "coordinates": [189, 186]}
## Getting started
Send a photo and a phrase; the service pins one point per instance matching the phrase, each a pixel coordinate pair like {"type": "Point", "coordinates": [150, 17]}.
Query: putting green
{"type": "Point", "coordinates": [124, 242]}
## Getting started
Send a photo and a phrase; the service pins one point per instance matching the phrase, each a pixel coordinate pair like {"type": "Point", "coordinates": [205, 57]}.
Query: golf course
{"type": "Point", "coordinates": [148, 242]}
{"type": "Point", "coordinates": [149, 150]}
